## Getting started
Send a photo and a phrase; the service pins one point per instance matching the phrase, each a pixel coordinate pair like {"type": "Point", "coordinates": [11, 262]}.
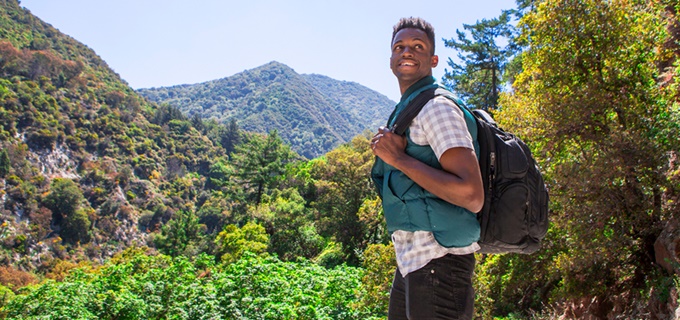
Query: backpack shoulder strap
{"type": "Point", "coordinates": [404, 118]}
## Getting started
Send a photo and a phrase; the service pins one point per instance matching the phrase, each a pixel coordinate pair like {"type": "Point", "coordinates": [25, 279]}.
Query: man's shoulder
{"type": "Point", "coordinates": [444, 101]}
{"type": "Point", "coordinates": [442, 95]}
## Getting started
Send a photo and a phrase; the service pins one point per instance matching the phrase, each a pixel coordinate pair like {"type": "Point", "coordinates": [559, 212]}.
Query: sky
{"type": "Point", "coordinates": [154, 43]}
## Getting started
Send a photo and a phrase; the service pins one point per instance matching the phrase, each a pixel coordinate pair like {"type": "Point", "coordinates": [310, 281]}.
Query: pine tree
{"type": "Point", "coordinates": [231, 136]}
{"type": "Point", "coordinates": [478, 79]}
{"type": "Point", "coordinates": [258, 163]}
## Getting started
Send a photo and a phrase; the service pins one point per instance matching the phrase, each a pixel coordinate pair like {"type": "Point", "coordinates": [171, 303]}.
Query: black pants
{"type": "Point", "coordinates": [440, 290]}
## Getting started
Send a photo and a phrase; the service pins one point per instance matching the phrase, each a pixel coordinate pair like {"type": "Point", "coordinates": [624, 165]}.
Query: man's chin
{"type": "Point", "coordinates": [409, 77]}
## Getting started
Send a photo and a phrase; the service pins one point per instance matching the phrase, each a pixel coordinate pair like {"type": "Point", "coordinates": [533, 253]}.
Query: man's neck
{"type": "Point", "coordinates": [404, 86]}
{"type": "Point", "coordinates": [427, 80]}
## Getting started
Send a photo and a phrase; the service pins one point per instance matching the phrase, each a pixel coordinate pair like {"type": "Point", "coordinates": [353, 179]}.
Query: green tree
{"type": "Point", "coordinates": [182, 235]}
{"type": "Point", "coordinates": [289, 223]}
{"type": "Point", "coordinates": [478, 78]}
{"type": "Point", "coordinates": [197, 122]}
{"type": "Point", "coordinates": [259, 161]}
{"type": "Point", "coordinates": [64, 199]}
{"type": "Point", "coordinates": [165, 113]}
{"type": "Point", "coordinates": [215, 212]}
{"type": "Point", "coordinates": [601, 127]}
{"type": "Point", "coordinates": [379, 263]}
{"type": "Point", "coordinates": [5, 164]}
{"type": "Point", "coordinates": [218, 175]}
{"type": "Point", "coordinates": [76, 227]}
{"type": "Point", "coordinates": [230, 136]}
{"type": "Point", "coordinates": [371, 216]}
{"type": "Point", "coordinates": [342, 185]}
{"type": "Point", "coordinates": [233, 241]}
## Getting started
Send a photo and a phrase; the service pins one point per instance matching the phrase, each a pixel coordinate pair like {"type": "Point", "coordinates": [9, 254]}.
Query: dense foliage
{"type": "Point", "coordinates": [312, 113]}
{"type": "Point", "coordinates": [594, 91]}
{"type": "Point", "coordinates": [138, 285]}
{"type": "Point", "coordinates": [605, 131]}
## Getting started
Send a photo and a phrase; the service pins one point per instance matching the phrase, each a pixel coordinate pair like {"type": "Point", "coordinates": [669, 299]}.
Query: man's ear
{"type": "Point", "coordinates": [435, 61]}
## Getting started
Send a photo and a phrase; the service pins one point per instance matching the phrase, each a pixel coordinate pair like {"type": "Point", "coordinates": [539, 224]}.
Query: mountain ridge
{"type": "Point", "coordinates": [313, 113]}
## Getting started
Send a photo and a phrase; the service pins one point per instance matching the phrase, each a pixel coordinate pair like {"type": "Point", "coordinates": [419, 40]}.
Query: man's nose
{"type": "Point", "coordinates": [408, 51]}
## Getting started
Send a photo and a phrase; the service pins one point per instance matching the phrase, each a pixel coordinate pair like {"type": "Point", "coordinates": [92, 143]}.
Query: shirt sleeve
{"type": "Point", "coordinates": [441, 125]}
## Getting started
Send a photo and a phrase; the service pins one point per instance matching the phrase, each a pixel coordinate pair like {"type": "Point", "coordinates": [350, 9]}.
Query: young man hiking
{"type": "Point", "coordinates": [431, 188]}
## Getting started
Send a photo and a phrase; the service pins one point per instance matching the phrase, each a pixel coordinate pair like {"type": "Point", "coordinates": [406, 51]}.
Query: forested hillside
{"type": "Point", "coordinates": [98, 185]}
{"type": "Point", "coordinates": [371, 108]}
{"type": "Point", "coordinates": [116, 207]}
{"type": "Point", "coordinates": [312, 113]}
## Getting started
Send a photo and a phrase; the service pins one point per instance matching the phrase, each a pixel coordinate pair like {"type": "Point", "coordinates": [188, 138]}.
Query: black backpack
{"type": "Point", "coordinates": [515, 213]}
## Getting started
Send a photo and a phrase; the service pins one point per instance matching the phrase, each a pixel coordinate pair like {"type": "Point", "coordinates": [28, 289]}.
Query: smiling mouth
{"type": "Point", "coordinates": [407, 64]}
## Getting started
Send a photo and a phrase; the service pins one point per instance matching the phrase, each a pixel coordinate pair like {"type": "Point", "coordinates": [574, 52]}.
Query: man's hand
{"type": "Point", "coordinates": [458, 182]}
{"type": "Point", "coordinates": [388, 145]}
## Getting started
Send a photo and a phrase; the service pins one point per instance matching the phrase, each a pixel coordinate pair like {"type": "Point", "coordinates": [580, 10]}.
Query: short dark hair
{"type": "Point", "coordinates": [416, 23]}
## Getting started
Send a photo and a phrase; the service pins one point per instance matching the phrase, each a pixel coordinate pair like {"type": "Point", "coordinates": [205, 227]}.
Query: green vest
{"type": "Point", "coordinates": [408, 206]}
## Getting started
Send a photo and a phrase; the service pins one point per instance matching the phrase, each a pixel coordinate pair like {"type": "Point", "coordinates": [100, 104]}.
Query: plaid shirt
{"type": "Point", "coordinates": [441, 125]}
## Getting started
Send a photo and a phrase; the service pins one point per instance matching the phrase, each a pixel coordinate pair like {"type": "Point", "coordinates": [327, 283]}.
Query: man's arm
{"type": "Point", "coordinates": [459, 183]}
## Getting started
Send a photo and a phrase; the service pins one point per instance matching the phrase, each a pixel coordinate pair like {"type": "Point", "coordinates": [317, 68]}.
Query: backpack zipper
{"type": "Point", "coordinates": [492, 168]}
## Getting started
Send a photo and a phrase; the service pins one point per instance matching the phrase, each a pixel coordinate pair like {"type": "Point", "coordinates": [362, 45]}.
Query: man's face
{"type": "Point", "coordinates": [411, 58]}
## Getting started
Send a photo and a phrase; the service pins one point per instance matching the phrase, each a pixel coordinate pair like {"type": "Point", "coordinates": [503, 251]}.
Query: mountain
{"type": "Point", "coordinates": [313, 113]}
{"type": "Point", "coordinates": [89, 167]}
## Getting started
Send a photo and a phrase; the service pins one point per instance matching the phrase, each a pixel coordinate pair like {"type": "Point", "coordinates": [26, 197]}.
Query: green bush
{"type": "Point", "coordinates": [136, 285]}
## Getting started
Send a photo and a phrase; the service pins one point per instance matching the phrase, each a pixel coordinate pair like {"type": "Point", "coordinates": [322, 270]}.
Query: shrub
{"type": "Point", "coordinates": [15, 279]}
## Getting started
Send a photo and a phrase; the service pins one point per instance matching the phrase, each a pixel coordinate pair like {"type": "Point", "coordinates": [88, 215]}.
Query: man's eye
{"type": "Point", "coordinates": [418, 46]}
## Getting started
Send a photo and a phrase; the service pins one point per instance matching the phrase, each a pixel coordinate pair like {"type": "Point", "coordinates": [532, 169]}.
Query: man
{"type": "Point", "coordinates": [431, 187]}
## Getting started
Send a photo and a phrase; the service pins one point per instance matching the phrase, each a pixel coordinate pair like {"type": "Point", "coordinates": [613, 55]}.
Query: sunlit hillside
{"type": "Point", "coordinates": [312, 113]}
